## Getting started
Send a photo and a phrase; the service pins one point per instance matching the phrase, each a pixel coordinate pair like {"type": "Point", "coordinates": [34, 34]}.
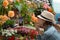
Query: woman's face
{"type": "Point", "coordinates": [40, 23]}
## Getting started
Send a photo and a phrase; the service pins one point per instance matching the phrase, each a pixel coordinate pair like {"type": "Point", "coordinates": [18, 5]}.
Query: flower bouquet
{"type": "Point", "coordinates": [27, 32]}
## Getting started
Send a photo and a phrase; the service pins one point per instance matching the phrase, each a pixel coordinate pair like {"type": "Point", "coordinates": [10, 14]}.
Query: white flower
{"type": "Point", "coordinates": [11, 30]}
{"type": "Point", "coordinates": [7, 31]}
{"type": "Point", "coordinates": [15, 31]}
{"type": "Point", "coordinates": [3, 33]}
{"type": "Point", "coordinates": [12, 33]}
{"type": "Point", "coordinates": [9, 34]}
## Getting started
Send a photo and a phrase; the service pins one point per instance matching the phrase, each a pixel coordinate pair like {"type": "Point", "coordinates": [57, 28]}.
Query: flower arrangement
{"type": "Point", "coordinates": [17, 13]}
{"type": "Point", "coordinates": [10, 10]}
{"type": "Point", "coordinates": [27, 32]}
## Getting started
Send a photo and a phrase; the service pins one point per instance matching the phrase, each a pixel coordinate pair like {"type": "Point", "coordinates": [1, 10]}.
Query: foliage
{"type": "Point", "coordinates": [9, 22]}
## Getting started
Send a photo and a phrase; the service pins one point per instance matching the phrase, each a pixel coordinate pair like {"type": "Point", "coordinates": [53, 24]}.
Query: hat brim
{"type": "Point", "coordinates": [42, 18]}
{"type": "Point", "coordinates": [46, 19]}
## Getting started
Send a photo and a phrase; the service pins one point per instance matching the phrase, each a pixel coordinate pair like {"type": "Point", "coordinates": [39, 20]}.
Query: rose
{"type": "Point", "coordinates": [11, 14]}
{"type": "Point", "coordinates": [5, 3]}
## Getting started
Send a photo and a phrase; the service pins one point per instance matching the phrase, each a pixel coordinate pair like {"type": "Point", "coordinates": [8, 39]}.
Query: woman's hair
{"type": "Point", "coordinates": [37, 12]}
{"type": "Point", "coordinates": [48, 23]}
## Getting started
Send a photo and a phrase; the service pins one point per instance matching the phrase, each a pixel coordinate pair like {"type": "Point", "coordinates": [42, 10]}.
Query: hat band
{"type": "Point", "coordinates": [44, 17]}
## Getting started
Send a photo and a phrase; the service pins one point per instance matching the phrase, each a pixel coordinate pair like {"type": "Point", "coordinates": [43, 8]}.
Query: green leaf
{"type": "Point", "coordinates": [10, 22]}
{"type": "Point", "coordinates": [28, 18]}
{"type": "Point", "coordinates": [19, 7]}
{"type": "Point", "coordinates": [30, 10]}
{"type": "Point", "coordinates": [1, 1]}
{"type": "Point", "coordinates": [23, 14]}
{"type": "Point", "coordinates": [24, 7]}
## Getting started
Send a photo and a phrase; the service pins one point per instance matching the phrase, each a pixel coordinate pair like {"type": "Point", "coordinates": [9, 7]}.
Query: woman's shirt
{"type": "Point", "coordinates": [50, 34]}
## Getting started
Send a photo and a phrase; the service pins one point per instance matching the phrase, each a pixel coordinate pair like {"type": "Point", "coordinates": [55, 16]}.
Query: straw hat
{"type": "Point", "coordinates": [47, 16]}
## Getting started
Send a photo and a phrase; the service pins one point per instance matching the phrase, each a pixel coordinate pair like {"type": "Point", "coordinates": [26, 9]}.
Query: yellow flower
{"type": "Point", "coordinates": [5, 3]}
{"type": "Point", "coordinates": [11, 14]}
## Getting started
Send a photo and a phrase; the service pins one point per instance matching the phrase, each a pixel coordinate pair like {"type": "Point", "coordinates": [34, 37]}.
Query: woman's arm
{"type": "Point", "coordinates": [57, 26]}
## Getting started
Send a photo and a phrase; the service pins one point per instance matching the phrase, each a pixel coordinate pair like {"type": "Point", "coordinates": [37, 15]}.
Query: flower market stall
{"type": "Point", "coordinates": [17, 18]}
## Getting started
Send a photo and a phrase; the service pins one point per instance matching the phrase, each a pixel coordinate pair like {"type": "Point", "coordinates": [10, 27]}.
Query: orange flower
{"type": "Point", "coordinates": [3, 19]}
{"type": "Point", "coordinates": [34, 19]}
{"type": "Point", "coordinates": [11, 14]}
{"type": "Point", "coordinates": [50, 9]}
{"type": "Point", "coordinates": [5, 3]}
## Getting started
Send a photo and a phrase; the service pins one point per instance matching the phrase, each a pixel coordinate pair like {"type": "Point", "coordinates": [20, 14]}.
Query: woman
{"type": "Point", "coordinates": [46, 27]}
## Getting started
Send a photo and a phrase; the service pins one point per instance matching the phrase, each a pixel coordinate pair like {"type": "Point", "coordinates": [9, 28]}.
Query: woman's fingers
{"type": "Point", "coordinates": [57, 26]}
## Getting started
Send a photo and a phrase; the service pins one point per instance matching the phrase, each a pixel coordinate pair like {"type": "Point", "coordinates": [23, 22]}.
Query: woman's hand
{"type": "Point", "coordinates": [57, 26]}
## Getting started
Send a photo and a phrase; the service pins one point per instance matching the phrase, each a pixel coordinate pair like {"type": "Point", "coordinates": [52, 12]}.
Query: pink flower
{"type": "Point", "coordinates": [45, 6]}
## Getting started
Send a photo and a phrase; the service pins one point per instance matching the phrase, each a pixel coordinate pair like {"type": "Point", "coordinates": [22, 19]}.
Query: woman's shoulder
{"type": "Point", "coordinates": [50, 30]}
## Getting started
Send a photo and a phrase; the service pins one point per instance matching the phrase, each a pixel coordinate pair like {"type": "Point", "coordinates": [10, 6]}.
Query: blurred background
{"type": "Point", "coordinates": [56, 6]}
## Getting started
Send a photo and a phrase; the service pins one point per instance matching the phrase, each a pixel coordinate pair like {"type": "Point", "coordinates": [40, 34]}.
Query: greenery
{"type": "Point", "coordinates": [9, 22]}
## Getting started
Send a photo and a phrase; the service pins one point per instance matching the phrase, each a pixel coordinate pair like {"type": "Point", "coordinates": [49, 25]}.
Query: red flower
{"type": "Point", "coordinates": [33, 33]}
{"type": "Point", "coordinates": [11, 38]}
